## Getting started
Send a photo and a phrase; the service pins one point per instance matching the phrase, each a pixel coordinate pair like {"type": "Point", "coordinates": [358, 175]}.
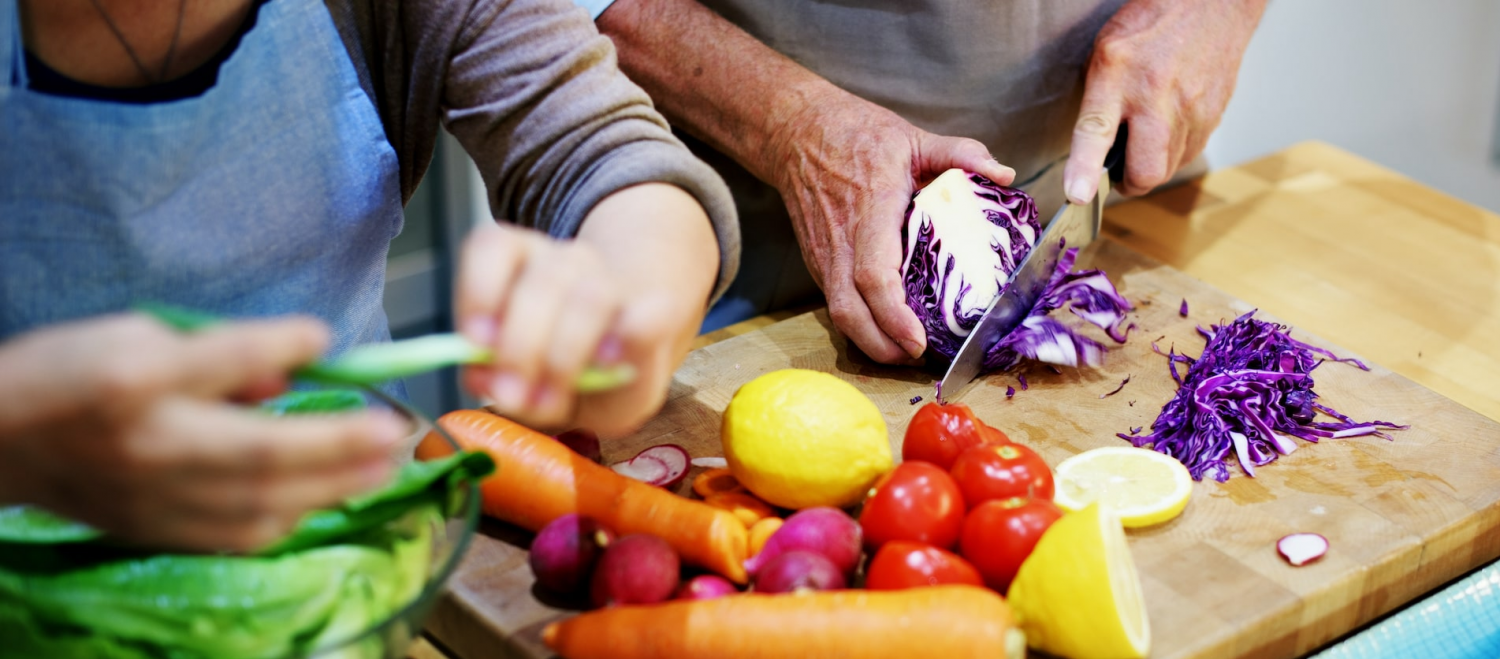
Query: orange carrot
{"type": "Point", "coordinates": [941, 621]}
{"type": "Point", "coordinates": [716, 480]}
{"type": "Point", "coordinates": [743, 504]}
{"type": "Point", "coordinates": [762, 531]}
{"type": "Point", "coordinates": [538, 479]}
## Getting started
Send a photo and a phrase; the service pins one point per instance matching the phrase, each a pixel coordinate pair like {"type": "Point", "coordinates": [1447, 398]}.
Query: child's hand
{"type": "Point", "coordinates": [124, 424]}
{"type": "Point", "coordinates": [631, 288]}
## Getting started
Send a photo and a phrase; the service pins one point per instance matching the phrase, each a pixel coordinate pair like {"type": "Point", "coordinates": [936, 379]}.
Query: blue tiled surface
{"type": "Point", "coordinates": [1460, 622]}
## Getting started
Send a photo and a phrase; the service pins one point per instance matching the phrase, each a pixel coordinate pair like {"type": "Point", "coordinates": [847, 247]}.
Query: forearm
{"type": "Point", "coordinates": [656, 239]}
{"type": "Point", "coordinates": [715, 81]}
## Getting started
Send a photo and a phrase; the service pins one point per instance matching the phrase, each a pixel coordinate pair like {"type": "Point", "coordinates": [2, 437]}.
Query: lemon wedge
{"type": "Point", "coordinates": [1142, 487]}
{"type": "Point", "coordinates": [1078, 595]}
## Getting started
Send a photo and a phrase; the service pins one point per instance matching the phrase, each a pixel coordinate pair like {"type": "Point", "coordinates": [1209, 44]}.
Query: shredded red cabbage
{"type": "Point", "coordinates": [1090, 295]}
{"type": "Point", "coordinates": [1251, 391]}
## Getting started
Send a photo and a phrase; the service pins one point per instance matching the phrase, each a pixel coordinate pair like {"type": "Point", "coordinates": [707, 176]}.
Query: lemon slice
{"type": "Point", "coordinates": [1078, 595]}
{"type": "Point", "coordinates": [1141, 486]}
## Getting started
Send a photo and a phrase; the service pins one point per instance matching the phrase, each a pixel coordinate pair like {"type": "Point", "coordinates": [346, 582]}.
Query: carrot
{"type": "Point", "coordinates": [716, 480]}
{"type": "Point", "coordinates": [941, 621]}
{"type": "Point", "coordinates": [538, 479]}
{"type": "Point", "coordinates": [743, 504]}
{"type": "Point", "coordinates": [762, 531]}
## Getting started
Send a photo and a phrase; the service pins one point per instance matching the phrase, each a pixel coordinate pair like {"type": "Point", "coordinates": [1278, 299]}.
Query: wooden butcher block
{"type": "Point", "coordinates": [1402, 516]}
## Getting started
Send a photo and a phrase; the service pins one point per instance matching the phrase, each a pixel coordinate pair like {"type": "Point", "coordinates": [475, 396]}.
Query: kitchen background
{"type": "Point", "coordinates": [1414, 86]}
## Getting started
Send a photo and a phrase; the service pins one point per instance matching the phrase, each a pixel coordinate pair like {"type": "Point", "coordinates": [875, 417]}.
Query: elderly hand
{"type": "Point", "coordinates": [847, 176]}
{"type": "Point", "coordinates": [127, 425]}
{"type": "Point", "coordinates": [1166, 68]}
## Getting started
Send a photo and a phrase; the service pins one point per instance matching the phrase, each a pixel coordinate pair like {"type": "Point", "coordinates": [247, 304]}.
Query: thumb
{"type": "Point", "coordinates": [1093, 135]}
{"type": "Point", "coordinates": [938, 153]}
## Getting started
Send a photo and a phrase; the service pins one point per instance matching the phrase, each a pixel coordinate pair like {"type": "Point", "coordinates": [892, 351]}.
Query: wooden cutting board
{"type": "Point", "coordinates": [1402, 516]}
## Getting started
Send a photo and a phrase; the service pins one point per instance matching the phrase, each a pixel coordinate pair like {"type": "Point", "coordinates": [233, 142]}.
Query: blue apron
{"type": "Point", "coordinates": [273, 192]}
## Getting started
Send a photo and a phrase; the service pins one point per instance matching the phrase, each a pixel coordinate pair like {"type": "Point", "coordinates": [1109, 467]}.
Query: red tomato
{"type": "Point", "coordinates": [918, 501]}
{"type": "Point", "coordinates": [1001, 471]}
{"type": "Point", "coordinates": [998, 535]}
{"type": "Point", "coordinates": [939, 432]}
{"type": "Point", "coordinates": [992, 435]}
{"type": "Point", "coordinates": [901, 564]}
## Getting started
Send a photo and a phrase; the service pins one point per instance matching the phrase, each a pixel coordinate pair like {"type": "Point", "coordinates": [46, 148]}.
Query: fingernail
{"type": "Point", "coordinates": [480, 330]}
{"type": "Point", "coordinates": [1078, 191]}
{"type": "Point", "coordinates": [610, 350]}
{"type": "Point", "coordinates": [547, 397]}
{"type": "Point", "coordinates": [911, 346]}
{"type": "Point", "coordinates": [510, 391]}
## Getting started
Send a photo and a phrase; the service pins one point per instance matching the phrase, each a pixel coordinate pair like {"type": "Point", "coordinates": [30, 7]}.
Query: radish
{"type": "Point", "coordinates": [636, 569]}
{"type": "Point", "coordinates": [664, 465]}
{"type": "Point", "coordinates": [705, 587]}
{"type": "Point", "coordinates": [798, 570]}
{"type": "Point", "coordinates": [1302, 548]}
{"type": "Point", "coordinates": [822, 530]}
{"type": "Point", "coordinates": [565, 551]}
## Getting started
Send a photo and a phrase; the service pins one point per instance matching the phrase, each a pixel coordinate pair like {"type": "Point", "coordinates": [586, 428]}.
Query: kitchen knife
{"type": "Point", "coordinates": [1072, 225]}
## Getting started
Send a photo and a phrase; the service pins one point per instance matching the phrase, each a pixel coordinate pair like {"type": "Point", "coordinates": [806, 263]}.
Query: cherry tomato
{"type": "Point", "coordinates": [1001, 471]}
{"type": "Point", "coordinates": [939, 432]}
{"type": "Point", "coordinates": [999, 535]}
{"type": "Point", "coordinates": [917, 501]}
{"type": "Point", "coordinates": [992, 435]}
{"type": "Point", "coordinates": [901, 564]}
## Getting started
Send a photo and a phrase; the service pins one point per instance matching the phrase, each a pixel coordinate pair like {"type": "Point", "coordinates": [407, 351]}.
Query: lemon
{"type": "Point", "coordinates": [1077, 595]}
{"type": "Point", "coordinates": [799, 438]}
{"type": "Point", "coordinates": [1142, 487]}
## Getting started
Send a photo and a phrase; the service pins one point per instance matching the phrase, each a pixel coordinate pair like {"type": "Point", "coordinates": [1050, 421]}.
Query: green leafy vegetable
{"type": "Point", "coordinates": [25, 524]}
{"type": "Point", "coordinates": [312, 402]}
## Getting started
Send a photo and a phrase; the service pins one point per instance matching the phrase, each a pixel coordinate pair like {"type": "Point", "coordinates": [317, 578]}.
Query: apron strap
{"type": "Point", "coordinates": [12, 58]}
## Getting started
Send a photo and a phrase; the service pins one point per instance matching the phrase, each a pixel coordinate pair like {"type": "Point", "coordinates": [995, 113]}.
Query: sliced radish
{"type": "Point", "coordinates": [664, 465]}
{"type": "Point", "coordinates": [1302, 548]}
{"type": "Point", "coordinates": [710, 463]}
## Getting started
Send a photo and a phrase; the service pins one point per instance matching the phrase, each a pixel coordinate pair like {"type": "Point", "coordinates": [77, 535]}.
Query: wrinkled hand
{"type": "Point", "coordinates": [847, 176]}
{"type": "Point", "coordinates": [124, 424]}
{"type": "Point", "coordinates": [1167, 68]}
{"type": "Point", "coordinates": [549, 308]}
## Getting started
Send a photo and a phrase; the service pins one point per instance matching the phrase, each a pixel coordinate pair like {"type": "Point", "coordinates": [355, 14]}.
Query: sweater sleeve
{"type": "Point", "coordinates": [532, 91]}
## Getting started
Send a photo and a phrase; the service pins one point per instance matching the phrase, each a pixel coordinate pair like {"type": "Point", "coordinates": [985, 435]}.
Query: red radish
{"type": "Point", "coordinates": [798, 570]}
{"type": "Point", "coordinates": [565, 551]}
{"type": "Point", "coordinates": [705, 587]}
{"type": "Point", "coordinates": [664, 465]}
{"type": "Point", "coordinates": [636, 569]}
{"type": "Point", "coordinates": [583, 442]}
{"type": "Point", "coordinates": [822, 530]}
{"type": "Point", "coordinates": [1302, 548]}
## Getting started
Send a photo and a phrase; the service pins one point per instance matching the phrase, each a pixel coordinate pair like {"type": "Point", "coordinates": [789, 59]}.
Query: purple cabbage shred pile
{"type": "Point", "coordinates": [1250, 392]}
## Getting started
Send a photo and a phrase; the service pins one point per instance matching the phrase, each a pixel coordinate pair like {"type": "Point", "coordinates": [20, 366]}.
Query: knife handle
{"type": "Point", "coordinates": [1114, 161]}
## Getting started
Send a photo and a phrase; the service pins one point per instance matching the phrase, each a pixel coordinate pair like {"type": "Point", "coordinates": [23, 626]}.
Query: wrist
{"type": "Point", "coordinates": [655, 237]}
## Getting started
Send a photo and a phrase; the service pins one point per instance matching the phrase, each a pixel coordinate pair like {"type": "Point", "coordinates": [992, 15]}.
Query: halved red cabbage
{"type": "Point", "coordinates": [964, 235]}
{"type": "Point", "coordinates": [1251, 391]}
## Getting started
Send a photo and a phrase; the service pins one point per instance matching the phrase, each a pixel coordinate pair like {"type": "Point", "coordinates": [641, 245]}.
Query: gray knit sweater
{"type": "Point", "coordinates": [532, 91]}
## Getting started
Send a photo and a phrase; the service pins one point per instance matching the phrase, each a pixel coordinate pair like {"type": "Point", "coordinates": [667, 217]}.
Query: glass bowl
{"type": "Point", "coordinates": [356, 581]}
{"type": "Point", "coordinates": [391, 637]}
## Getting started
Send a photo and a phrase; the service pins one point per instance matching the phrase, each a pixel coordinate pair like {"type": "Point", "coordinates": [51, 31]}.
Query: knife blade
{"type": "Point", "coordinates": [1072, 225]}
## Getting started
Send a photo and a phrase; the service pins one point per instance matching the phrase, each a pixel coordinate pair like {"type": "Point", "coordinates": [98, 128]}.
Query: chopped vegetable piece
{"type": "Point", "coordinates": [1117, 389]}
{"type": "Point", "coordinates": [744, 505]}
{"type": "Point", "coordinates": [711, 462]}
{"type": "Point", "coordinates": [664, 465]}
{"type": "Point", "coordinates": [1250, 391]}
{"type": "Point", "coordinates": [715, 481]}
{"type": "Point", "coordinates": [1183, 310]}
{"type": "Point", "coordinates": [1010, 392]}
{"type": "Point", "coordinates": [1022, 380]}
{"type": "Point", "coordinates": [915, 399]}
{"type": "Point", "coordinates": [1302, 548]}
